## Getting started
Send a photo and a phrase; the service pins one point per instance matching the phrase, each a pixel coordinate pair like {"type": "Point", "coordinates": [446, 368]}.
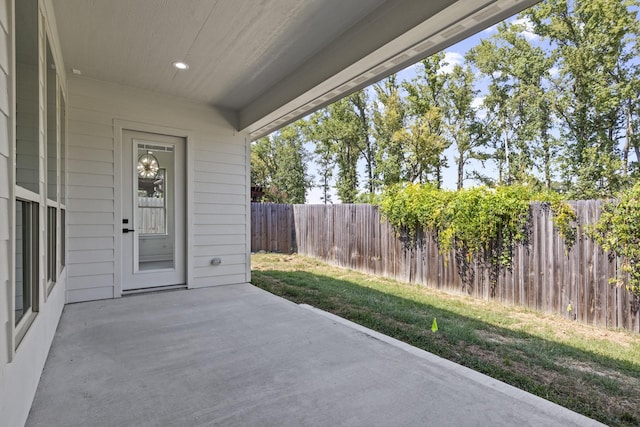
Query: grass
{"type": "Point", "coordinates": [593, 371]}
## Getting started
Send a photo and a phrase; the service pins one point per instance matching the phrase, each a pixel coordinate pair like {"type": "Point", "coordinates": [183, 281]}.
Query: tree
{"type": "Point", "coordinates": [595, 43]}
{"type": "Point", "coordinates": [462, 124]}
{"type": "Point", "coordinates": [344, 127]}
{"type": "Point", "coordinates": [424, 134]}
{"type": "Point", "coordinates": [341, 135]}
{"type": "Point", "coordinates": [359, 100]}
{"type": "Point", "coordinates": [388, 119]}
{"type": "Point", "coordinates": [278, 163]}
{"type": "Point", "coordinates": [323, 151]}
{"type": "Point", "coordinates": [517, 104]}
{"type": "Point", "coordinates": [423, 146]}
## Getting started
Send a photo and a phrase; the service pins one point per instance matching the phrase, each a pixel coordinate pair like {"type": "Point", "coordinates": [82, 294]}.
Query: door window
{"type": "Point", "coordinates": [155, 219]}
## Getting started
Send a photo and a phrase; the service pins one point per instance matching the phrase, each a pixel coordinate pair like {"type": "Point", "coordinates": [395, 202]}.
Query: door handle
{"type": "Point", "coordinates": [127, 230]}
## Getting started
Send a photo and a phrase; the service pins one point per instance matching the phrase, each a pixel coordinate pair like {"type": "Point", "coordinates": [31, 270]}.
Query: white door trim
{"type": "Point", "coordinates": [119, 126]}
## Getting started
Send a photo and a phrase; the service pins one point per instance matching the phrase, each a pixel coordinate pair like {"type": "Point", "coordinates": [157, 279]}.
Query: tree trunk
{"type": "Point", "coordinates": [460, 171]}
{"type": "Point", "coordinates": [547, 158]}
{"type": "Point", "coordinates": [628, 138]}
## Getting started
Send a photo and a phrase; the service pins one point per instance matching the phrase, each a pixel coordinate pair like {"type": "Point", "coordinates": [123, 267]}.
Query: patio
{"type": "Point", "coordinates": [237, 355]}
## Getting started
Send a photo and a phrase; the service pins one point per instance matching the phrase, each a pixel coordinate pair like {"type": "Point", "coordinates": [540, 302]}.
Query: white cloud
{"type": "Point", "coordinates": [451, 59]}
{"type": "Point", "coordinates": [477, 101]}
{"type": "Point", "coordinates": [527, 29]}
{"type": "Point", "coordinates": [478, 104]}
{"type": "Point", "coordinates": [554, 72]}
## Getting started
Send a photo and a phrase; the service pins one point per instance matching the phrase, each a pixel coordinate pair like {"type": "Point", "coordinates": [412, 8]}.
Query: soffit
{"type": "Point", "coordinates": [235, 48]}
{"type": "Point", "coordinates": [269, 62]}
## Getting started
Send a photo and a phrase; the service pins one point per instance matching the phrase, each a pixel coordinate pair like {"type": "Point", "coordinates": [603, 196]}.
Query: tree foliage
{"type": "Point", "coordinates": [278, 164]}
{"type": "Point", "coordinates": [517, 104]}
{"type": "Point", "coordinates": [596, 42]}
{"type": "Point", "coordinates": [388, 120]}
{"type": "Point", "coordinates": [548, 100]}
{"type": "Point", "coordinates": [462, 124]}
{"type": "Point", "coordinates": [422, 136]}
{"type": "Point", "coordinates": [618, 230]}
{"type": "Point", "coordinates": [341, 136]}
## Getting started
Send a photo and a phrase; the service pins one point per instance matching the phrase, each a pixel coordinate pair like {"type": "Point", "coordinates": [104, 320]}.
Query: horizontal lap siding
{"type": "Point", "coordinates": [90, 208]}
{"type": "Point", "coordinates": [91, 204]}
{"type": "Point", "coordinates": [221, 205]}
{"type": "Point", "coordinates": [219, 189]}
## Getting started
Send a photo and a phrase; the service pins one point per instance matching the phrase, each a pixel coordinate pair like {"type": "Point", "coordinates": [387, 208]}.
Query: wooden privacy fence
{"type": "Point", "coordinates": [545, 276]}
{"type": "Point", "coordinates": [272, 228]}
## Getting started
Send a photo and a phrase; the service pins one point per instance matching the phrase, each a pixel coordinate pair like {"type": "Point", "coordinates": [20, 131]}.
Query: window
{"type": "Point", "coordinates": [63, 236]}
{"type": "Point", "coordinates": [52, 169]}
{"type": "Point", "coordinates": [152, 188]}
{"type": "Point", "coordinates": [63, 180]}
{"type": "Point", "coordinates": [63, 149]}
{"type": "Point", "coordinates": [27, 173]}
{"type": "Point", "coordinates": [26, 261]}
{"type": "Point", "coordinates": [52, 244]}
{"type": "Point", "coordinates": [40, 167]}
{"type": "Point", "coordinates": [27, 96]}
{"type": "Point", "coordinates": [52, 128]}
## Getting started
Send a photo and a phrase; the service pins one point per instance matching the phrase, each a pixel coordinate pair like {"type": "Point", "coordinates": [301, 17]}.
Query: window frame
{"type": "Point", "coordinates": [51, 230]}
{"type": "Point", "coordinates": [62, 177]}
{"type": "Point", "coordinates": [43, 254]}
{"type": "Point", "coordinates": [18, 193]}
{"type": "Point", "coordinates": [33, 244]}
{"type": "Point", "coordinates": [55, 264]}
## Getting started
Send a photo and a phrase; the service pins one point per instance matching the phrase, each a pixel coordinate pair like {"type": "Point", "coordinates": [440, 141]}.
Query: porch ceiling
{"type": "Point", "coordinates": [269, 61]}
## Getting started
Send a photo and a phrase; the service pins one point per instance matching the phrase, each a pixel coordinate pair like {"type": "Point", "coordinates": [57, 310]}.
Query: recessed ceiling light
{"type": "Point", "coordinates": [181, 65]}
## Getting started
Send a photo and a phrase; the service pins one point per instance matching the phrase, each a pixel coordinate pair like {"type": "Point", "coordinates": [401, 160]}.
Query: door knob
{"type": "Point", "coordinates": [127, 230]}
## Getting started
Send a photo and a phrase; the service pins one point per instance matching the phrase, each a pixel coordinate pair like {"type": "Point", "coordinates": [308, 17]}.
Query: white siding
{"type": "Point", "coordinates": [20, 369]}
{"type": "Point", "coordinates": [218, 165]}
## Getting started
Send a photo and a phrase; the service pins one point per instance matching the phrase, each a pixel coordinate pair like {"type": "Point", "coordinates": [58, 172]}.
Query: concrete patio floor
{"type": "Point", "coordinates": [239, 356]}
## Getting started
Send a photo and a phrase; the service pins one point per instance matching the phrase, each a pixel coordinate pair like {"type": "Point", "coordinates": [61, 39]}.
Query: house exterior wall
{"type": "Point", "coordinates": [218, 219]}
{"type": "Point", "coordinates": [21, 363]}
{"type": "Point", "coordinates": [218, 158]}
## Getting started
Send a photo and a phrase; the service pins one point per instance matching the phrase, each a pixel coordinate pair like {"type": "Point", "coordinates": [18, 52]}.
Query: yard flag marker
{"type": "Point", "coordinates": [434, 326]}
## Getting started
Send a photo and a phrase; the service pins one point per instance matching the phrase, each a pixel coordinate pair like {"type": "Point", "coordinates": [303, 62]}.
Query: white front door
{"type": "Point", "coordinates": [153, 210]}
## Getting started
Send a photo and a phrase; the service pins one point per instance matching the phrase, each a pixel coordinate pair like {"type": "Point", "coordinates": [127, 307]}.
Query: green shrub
{"type": "Point", "coordinates": [477, 223]}
{"type": "Point", "coordinates": [618, 231]}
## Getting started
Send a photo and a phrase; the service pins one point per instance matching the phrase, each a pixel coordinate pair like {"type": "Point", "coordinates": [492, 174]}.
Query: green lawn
{"type": "Point", "coordinates": [595, 372]}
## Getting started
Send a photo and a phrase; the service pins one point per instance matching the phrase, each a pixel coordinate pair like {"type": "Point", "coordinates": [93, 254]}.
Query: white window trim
{"type": "Point", "coordinates": [21, 329]}
{"type": "Point", "coordinates": [62, 173]}
{"type": "Point", "coordinates": [16, 192]}
{"type": "Point", "coordinates": [51, 281]}
{"type": "Point", "coordinates": [24, 194]}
